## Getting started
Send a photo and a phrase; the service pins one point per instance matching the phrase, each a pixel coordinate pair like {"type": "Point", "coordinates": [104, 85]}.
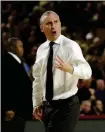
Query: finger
{"type": "Point", "coordinates": [39, 113]}
{"type": "Point", "coordinates": [38, 117]}
{"type": "Point", "coordinates": [60, 59]}
{"type": "Point", "coordinates": [58, 66]}
{"type": "Point", "coordinates": [36, 110]}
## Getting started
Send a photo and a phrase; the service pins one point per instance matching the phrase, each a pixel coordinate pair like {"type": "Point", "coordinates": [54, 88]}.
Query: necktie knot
{"type": "Point", "coordinates": [51, 44]}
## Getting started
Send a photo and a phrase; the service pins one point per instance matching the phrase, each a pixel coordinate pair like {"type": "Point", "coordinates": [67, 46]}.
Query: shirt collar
{"type": "Point", "coordinates": [15, 56]}
{"type": "Point", "coordinates": [57, 41]}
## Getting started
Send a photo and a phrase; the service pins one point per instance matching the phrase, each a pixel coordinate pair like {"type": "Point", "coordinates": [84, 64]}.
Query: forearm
{"type": "Point", "coordinates": [37, 88]}
{"type": "Point", "coordinates": [81, 68]}
{"type": "Point", "coordinates": [37, 94]}
{"type": "Point", "coordinates": [82, 71]}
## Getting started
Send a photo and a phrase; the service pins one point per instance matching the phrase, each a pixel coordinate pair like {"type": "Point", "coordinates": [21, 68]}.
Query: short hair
{"type": "Point", "coordinates": [45, 14]}
{"type": "Point", "coordinates": [12, 42]}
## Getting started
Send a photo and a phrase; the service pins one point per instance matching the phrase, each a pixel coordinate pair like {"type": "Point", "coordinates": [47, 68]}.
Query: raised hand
{"type": "Point", "coordinates": [64, 66]}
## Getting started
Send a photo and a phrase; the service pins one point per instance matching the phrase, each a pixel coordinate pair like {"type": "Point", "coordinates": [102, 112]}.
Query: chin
{"type": "Point", "coordinates": [55, 37]}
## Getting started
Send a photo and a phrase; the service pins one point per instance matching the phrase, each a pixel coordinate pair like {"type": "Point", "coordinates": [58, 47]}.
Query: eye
{"type": "Point", "coordinates": [56, 21]}
{"type": "Point", "coordinates": [48, 23]}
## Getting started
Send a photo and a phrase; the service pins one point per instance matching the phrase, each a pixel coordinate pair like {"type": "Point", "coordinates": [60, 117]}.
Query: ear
{"type": "Point", "coordinates": [60, 23]}
{"type": "Point", "coordinates": [11, 47]}
{"type": "Point", "coordinates": [41, 28]}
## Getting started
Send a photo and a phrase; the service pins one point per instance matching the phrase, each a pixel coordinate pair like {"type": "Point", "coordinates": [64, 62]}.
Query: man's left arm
{"type": "Point", "coordinates": [76, 65]}
{"type": "Point", "coordinates": [81, 68]}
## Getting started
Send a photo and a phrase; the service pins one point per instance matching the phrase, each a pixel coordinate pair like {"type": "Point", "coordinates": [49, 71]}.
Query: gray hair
{"type": "Point", "coordinates": [45, 14]}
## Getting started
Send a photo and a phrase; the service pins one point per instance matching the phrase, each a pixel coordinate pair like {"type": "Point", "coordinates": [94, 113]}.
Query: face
{"type": "Point", "coordinates": [100, 84]}
{"type": "Point", "coordinates": [19, 49]}
{"type": "Point", "coordinates": [99, 104]}
{"type": "Point", "coordinates": [51, 27]}
{"type": "Point", "coordinates": [86, 106]}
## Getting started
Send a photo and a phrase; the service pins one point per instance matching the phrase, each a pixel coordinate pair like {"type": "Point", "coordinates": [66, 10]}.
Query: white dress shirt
{"type": "Point", "coordinates": [15, 57]}
{"type": "Point", "coordinates": [65, 84]}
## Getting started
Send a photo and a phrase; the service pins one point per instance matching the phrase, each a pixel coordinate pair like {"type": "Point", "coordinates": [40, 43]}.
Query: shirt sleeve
{"type": "Point", "coordinates": [37, 88]}
{"type": "Point", "coordinates": [81, 67]}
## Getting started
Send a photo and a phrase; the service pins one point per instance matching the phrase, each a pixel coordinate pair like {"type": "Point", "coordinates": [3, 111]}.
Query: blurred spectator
{"type": "Point", "coordinates": [4, 38]}
{"type": "Point", "coordinates": [32, 39]}
{"type": "Point", "coordinates": [32, 56]}
{"type": "Point", "coordinates": [100, 90]}
{"type": "Point", "coordinates": [85, 108]}
{"type": "Point", "coordinates": [89, 37]}
{"type": "Point", "coordinates": [85, 91]}
{"type": "Point", "coordinates": [92, 91]}
{"type": "Point", "coordinates": [98, 108]}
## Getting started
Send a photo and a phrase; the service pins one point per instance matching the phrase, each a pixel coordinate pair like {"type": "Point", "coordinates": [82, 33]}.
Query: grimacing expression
{"type": "Point", "coordinates": [51, 26]}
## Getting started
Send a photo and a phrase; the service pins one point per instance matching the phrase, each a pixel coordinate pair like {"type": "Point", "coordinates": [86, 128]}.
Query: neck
{"type": "Point", "coordinates": [54, 38]}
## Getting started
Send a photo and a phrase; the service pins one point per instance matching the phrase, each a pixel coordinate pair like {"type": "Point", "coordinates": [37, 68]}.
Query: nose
{"type": "Point", "coordinates": [53, 25]}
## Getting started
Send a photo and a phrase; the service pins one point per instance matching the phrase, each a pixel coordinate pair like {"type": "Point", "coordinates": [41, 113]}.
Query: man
{"type": "Point", "coordinates": [16, 85]}
{"type": "Point", "coordinates": [59, 64]}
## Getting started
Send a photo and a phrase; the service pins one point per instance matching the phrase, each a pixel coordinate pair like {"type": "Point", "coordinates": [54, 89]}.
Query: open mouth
{"type": "Point", "coordinates": [53, 32]}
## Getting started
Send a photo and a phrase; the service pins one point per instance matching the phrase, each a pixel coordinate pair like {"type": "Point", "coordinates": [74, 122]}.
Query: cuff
{"type": "Point", "coordinates": [76, 71]}
{"type": "Point", "coordinates": [37, 102]}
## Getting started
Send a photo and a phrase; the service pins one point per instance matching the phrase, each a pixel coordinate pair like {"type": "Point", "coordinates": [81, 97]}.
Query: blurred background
{"type": "Point", "coordinates": [83, 22]}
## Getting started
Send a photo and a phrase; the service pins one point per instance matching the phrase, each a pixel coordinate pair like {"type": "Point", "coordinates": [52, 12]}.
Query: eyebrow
{"type": "Point", "coordinates": [51, 21]}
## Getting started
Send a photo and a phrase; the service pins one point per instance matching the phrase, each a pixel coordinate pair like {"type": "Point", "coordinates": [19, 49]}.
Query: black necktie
{"type": "Point", "coordinates": [49, 76]}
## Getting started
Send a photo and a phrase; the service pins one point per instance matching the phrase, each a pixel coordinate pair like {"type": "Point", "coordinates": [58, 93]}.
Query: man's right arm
{"type": "Point", "coordinates": [37, 88]}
